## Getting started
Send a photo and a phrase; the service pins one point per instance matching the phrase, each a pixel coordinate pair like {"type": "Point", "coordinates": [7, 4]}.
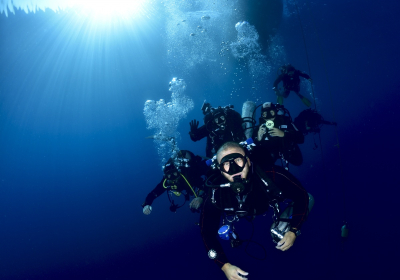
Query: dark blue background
{"type": "Point", "coordinates": [75, 165]}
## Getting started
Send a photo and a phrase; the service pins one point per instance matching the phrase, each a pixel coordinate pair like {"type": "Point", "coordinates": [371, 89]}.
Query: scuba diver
{"type": "Point", "coordinates": [310, 121]}
{"type": "Point", "coordinates": [243, 190]}
{"type": "Point", "coordinates": [182, 176]}
{"type": "Point", "coordinates": [277, 137]}
{"type": "Point", "coordinates": [220, 125]}
{"type": "Point", "coordinates": [290, 78]}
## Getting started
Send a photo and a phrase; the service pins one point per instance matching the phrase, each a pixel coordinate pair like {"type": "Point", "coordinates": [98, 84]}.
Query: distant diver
{"type": "Point", "coordinates": [290, 78]}
{"type": "Point", "coordinates": [221, 124]}
{"type": "Point", "coordinates": [310, 121]}
{"type": "Point", "coordinates": [182, 175]}
{"type": "Point", "coordinates": [277, 137]}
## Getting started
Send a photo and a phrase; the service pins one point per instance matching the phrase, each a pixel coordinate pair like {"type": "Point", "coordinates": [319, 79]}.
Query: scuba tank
{"type": "Point", "coordinates": [248, 118]}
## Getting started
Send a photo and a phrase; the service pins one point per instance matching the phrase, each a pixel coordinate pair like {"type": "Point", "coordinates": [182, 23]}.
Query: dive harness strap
{"type": "Point", "coordinates": [272, 191]}
{"type": "Point", "coordinates": [166, 187]}
{"type": "Point", "coordinates": [174, 206]}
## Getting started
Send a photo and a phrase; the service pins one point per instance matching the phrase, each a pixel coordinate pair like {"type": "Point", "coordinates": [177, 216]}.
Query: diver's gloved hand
{"type": "Point", "coordinates": [276, 132]}
{"type": "Point", "coordinates": [233, 272]}
{"type": "Point", "coordinates": [147, 210]}
{"type": "Point", "coordinates": [261, 131]}
{"type": "Point", "coordinates": [193, 126]}
{"type": "Point", "coordinates": [196, 203]}
{"type": "Point", "coordinates": [287, 241]}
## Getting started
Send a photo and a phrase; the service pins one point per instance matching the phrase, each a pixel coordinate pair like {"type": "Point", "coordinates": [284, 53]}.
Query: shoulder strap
{"type": "Point", "coordinates": [271, 189]}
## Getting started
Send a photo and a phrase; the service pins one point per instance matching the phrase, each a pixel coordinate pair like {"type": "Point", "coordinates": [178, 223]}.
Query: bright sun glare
{"type": "Point", "coordinates": [98, 10]}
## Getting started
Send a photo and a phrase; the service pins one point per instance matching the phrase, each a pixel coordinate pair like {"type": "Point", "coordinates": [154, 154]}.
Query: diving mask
{"type": "Point", "coordinates": [233, 163]}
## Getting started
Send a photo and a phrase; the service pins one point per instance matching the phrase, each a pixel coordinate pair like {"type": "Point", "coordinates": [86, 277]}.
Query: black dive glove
{"type": "Point", "coordinates": [193, 126]}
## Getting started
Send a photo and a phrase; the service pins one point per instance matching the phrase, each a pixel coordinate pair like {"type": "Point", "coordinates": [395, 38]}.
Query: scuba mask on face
{"type": "Point", "coordinates": [215, 121]}
{"type": "Point", "coordinates": [267, 114]}
{"type": "Point", "coordinates": [219, 122]}
{"type": "Point", "coordinates": [233, 163]}
{"type": "Point", "coordinates": [172, 176]}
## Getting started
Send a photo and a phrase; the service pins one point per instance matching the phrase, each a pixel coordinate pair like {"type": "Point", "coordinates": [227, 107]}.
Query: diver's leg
{"type": "Point", "coordinates": [304, 99]}
{"type": "Point", "coordinates": [286, 93]}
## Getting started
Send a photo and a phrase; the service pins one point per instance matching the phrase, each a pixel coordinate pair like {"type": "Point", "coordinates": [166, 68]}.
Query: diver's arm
{"type": "Point", "coordinates": [199, 133]}
{"type": "Point", "coordinates": [304, 75]}
{"type": "Point", "coordinates": [328, 123]}
{"type": "Point", "coordinates": [157, 191]}
{"type": "Point", "coordinates": [209, 224]}
{"type": "Point", "coordinates": [293, 190]}
{"type": "Point", "coordinates": [278, 80]}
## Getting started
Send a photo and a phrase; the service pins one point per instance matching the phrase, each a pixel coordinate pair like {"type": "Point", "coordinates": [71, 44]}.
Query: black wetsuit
{"type": "Point", "coordinates": [269, 149]}
{"type": "Point", "coordinates": [193, 175]}
{"type": "Point", "coordinates": [215, 139]}
{"type": "Point", "coordinates": [290, 83]}
{"type": "Point", "coordinates": [257, 202]}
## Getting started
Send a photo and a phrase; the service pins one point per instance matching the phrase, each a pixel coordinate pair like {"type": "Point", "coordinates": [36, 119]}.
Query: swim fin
{"type": "Point", "coordinates": [306, 101]}
{"type": "Point", "coordinates": [279, 99]}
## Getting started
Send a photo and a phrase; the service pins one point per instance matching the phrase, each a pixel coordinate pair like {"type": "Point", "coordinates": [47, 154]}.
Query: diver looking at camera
{"type": "Point", "coordinates": [241, 190]}
{"type": "Point", "coordinates": [277, 137]}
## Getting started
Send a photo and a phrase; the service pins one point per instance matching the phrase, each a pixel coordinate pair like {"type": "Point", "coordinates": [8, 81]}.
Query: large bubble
{"type": "Point", "coordinates": [163, 119]}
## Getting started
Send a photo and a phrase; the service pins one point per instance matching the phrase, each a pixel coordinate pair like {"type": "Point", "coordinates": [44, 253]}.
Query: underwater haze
{"type": "Point", "coordinates": [79, 90]}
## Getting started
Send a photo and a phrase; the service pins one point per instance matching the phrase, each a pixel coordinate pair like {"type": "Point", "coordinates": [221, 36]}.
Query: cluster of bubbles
{"type": "Point", "coordinates": [164, 118]}
{"type": "Point", "coordinates": [276, 52]}
{"type": "Point", "coordinates": [247, 41]}
{"type": "Point", "coordinates": [194, 30]}
{"type": "Point", "coordinates": [260, 65]}
{"type": "Point", "coordinates": [247, 49]}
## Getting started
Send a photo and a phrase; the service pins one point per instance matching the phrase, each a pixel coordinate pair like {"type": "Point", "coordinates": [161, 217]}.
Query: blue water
{"type": "Point", "coordinates": [75, 164]}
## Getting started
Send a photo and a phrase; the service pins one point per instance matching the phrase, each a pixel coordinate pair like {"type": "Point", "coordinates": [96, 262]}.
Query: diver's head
{"type": "Point", "coordinates": [233, 162]}
{"type": "Point", "coordinates": [268, 111]}
{"type": "Point", "coordinates": [219, 117]}
{"type": "Point", "coordinates": [176, 164]}
{"type": "Point", "coordinates": [215, 121]}
{"type": "Point", "coordinates": [290, 70]}
{"type": "Point", "coordinates": [171, 172]}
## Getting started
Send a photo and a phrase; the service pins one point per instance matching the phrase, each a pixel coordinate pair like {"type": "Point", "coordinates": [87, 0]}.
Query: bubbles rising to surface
{"type": "Point", "coordinates": [194, 31]}
{"type": "Point", "coordinates": [163, 118]}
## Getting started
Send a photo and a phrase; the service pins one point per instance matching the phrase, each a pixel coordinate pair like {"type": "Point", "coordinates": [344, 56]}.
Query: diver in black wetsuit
{"type": "Point", "coordinates": [245, 190]}
{"type": "Point", "coordinates": [310, 121]}
{"type": "Point", "coordinates": [220, 125]}
{"type": "Point", "coordinates": [182, 175]}
{"type": "Point", "coordinates": [290, 78]}
{"type": "Point", "coordinates": [276, 137]}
